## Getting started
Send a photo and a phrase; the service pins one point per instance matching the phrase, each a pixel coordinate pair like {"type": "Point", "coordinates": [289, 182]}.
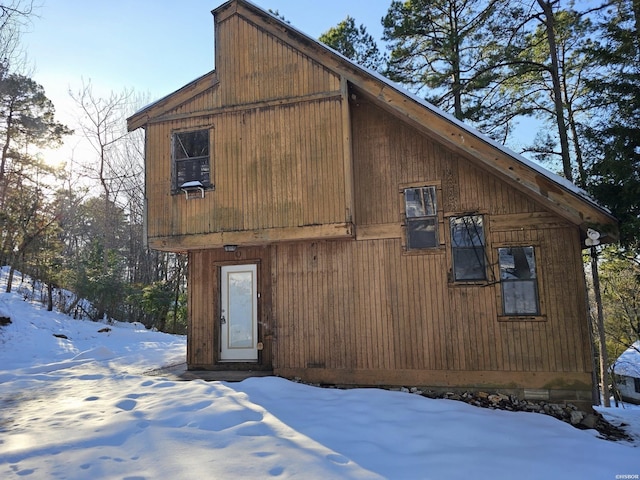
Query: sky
{"type": "Point", "coordinates": [87, 404]}
{"type": "Point", "coordinates": [151, 46]}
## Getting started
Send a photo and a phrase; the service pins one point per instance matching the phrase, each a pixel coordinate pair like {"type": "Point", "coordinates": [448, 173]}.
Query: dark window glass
{"type": "Point", "coordinates": [467, 247]}
{"type": "Point", "coordinates": [518, 280]}
{"type": "Point", "coordinates": [636, 382]}
{"type": "Point", "coordinates": [421, 217]}
{"type": "Point", "coordinates": [191, 158]}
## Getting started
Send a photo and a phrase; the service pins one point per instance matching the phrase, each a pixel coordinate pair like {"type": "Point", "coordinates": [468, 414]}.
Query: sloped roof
{"type": "Point", "coordinates": [628, 364]}
{"type": "Point", "coordinates": [441, 113]}
{"type": "Point", "coordinates": [554, 191]}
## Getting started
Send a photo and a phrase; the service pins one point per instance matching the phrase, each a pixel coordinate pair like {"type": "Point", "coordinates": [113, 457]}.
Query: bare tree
{"type": "Point", "coordinates": [15, 16]}
{"type": "Point", "coordinates": [103, 126]}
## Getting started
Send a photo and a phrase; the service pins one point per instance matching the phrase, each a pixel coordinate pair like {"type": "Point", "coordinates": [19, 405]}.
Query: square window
{"type": "Point", "coordinates": [467, 248]}
{"type": "Point", "coordinates": [422, 233]}
{"type": "Point", "coordinates": [190, 155]}
{"type": "Point", "coordinates": [421, 217]}
{"type": "Point", "coordinates": [518, 280]}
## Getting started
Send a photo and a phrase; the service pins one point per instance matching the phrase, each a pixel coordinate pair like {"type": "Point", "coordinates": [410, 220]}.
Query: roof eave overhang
{"type": "Point", "coordinates": [553, 192]}
{"type": "Point", "coordinates": [172, 101]}
{"type": "Point", "coordinates": [567, 203]}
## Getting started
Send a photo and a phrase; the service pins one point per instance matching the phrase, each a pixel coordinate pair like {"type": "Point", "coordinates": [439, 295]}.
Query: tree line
{"type": "Point", "coordinates": [76, 230]}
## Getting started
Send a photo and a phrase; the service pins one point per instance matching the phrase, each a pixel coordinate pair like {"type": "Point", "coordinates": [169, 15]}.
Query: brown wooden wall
{"type": "Point", "coordinates": [254, 66]}
{"type": "Point", "coordinates": [368, 312]}
{"type": "Point", "coordinates": [279, 150]}
{"type": "Point", "coordinates": [388, 154]}
{"type": "Point", "coordinates": [270, 170]}
{"type": "Point", "coordinates": [203, 344]}
{"type": "Point", "coordinates": [364, 306]}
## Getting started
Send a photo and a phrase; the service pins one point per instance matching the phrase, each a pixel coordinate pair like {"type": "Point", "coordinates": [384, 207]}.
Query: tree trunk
{"type": "Point", "coordinates": [49, 297]}
{"type": "Point", "coordinates": [3, 159]}
{"type": "Point", "coordinates": [457, 78]}
{"type": "Point", "coordinates": [177, 295]}
{"type": "Point", "coordinates": [636, 17]}
{"type": "Point", "coordinates": [549, 22]}
{"type": "Point", "coordinates": [12, 270]}
{"type": "Point", "coordinates": [582, 173]}
{"type": "Point", "coordinates": [602, 346]}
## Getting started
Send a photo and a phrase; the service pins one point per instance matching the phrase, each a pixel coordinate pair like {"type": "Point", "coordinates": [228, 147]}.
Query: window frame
{"type": "Point", "coordinates": [539, 315]}
{"type": "Point", "coordinates": [456, 249]}
{"type": "Point", "coordinates": [436, 218]}
{"type": "Point", "coordinates": [208, 183]}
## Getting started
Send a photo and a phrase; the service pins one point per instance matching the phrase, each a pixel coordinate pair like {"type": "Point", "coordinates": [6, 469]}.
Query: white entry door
{"type": "Point", "coordinates": [239, 313]}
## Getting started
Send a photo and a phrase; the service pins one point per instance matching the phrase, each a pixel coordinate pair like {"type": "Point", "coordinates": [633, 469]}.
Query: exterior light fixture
{"type": "Point", "coordinates": [593, 238]}
{"type": "Point", "coordinates": [230, 248]}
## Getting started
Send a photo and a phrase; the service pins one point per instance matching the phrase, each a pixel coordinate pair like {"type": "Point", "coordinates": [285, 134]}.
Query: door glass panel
{"type": "Point", "coordinates": [240, 310]}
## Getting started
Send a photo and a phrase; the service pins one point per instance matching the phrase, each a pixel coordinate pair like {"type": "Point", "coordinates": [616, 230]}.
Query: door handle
{"type": "Point", "coordinates": [223, 320]}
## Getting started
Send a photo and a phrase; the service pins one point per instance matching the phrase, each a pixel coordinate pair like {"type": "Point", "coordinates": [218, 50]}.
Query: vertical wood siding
{"type": "Point", "coordinates": [202, 309]}
{"type": "Point", "coordinates": [203, 344]}
{"type": "Point", "coordinates": [365, 305]}
{"type": "Point", "coordinates": [277, 155]}
{"type": "Point", "coordinates": [362, 305]}
{"type": "Point", "coordinates": [272, 168]}
{"type": "Point", "coordinates": [254, 66]}
{"type": "Point", "coordinates": [204, 102]}
{"type": "Point", "coordinates": [389, 153]}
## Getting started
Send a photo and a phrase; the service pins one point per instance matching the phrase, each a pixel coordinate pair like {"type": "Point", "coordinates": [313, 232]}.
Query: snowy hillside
{"type": "Point", "coordinates": [82, 407]}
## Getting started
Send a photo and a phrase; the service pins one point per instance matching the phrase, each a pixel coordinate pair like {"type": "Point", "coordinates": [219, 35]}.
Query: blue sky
{"type": "Point", "coordinates": [153, 46]}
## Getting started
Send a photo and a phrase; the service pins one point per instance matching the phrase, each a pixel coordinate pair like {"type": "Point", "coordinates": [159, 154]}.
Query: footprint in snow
{"type": "Point", "coordinates": [276, 471]}
{"type": "Point", "coordinates": [90, 377]}
{"type": "Point", "coordinates": [126, 404]}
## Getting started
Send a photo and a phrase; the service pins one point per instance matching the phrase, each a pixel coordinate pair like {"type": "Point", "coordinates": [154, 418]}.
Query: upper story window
{"type": "Point", "coordinates": [190, 156]}
{"type": "Point", "coordinates": [519, 281]}
{"type": "Point", "coordinates": [467, 248]}
{"type": "Point", "coordinates": [421, 214]}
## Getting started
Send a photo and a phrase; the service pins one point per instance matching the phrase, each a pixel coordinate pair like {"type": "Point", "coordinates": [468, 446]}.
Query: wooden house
{"type": "Point", "coordinates": [342, 231]}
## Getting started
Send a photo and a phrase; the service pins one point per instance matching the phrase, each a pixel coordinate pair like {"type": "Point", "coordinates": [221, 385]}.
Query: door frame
{"type": "Point", "coordinates": [255, 266]}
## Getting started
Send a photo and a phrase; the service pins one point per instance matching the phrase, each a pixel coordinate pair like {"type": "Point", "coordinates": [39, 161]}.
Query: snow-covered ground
{"type": "Point", "coordinates": [83, 408]}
